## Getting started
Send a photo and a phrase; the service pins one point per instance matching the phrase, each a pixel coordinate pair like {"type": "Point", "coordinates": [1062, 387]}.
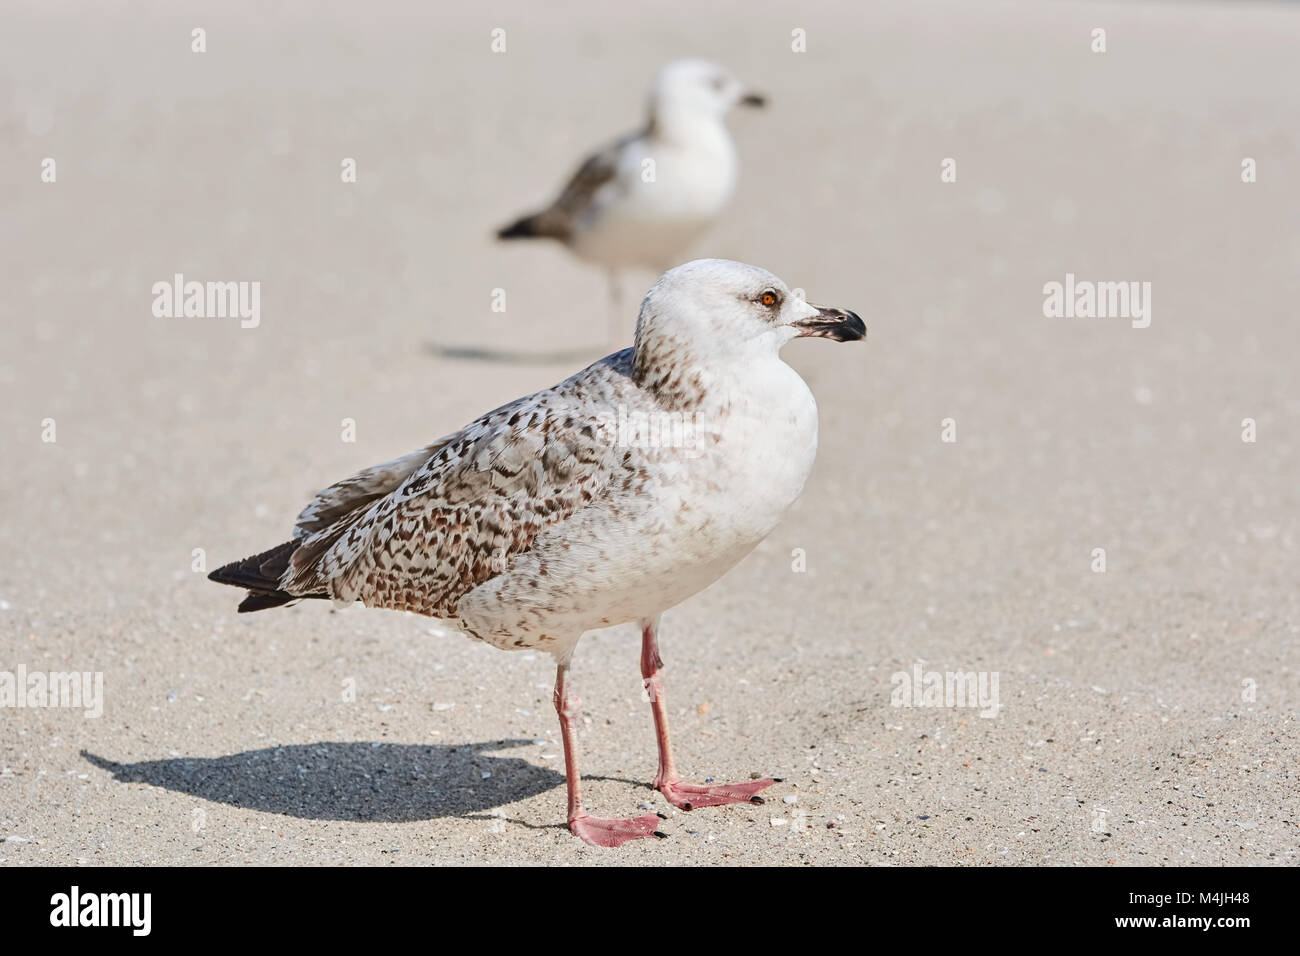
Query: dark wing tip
{"type": "Point", "coordinates": [261, 575]}
{"type": "Point", "coordinates": [525, 228]}
{"type": "Point", "coordinates": [262, 600]}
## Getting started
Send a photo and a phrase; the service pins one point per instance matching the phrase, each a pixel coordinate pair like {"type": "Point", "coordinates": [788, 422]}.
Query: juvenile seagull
{"type": "Point", "coordinates": [608, 498]}
{"type": "Point", "coordinates": [642, 200]}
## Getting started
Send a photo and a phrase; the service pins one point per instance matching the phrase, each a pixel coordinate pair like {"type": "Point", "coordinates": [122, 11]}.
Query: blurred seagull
{"type": "Point", "coordinates": [644, 199]}
{"type": "Point", "coordinates": [579, 508]}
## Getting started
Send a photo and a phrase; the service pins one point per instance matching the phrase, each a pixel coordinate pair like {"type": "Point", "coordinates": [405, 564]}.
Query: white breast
{"type": "Point", "coordinates": [767, 445]}
{"type": "Point", "coordinates": [691, 514]}
{"type": "Point", "coordinates": [704, 511]}
{"type": "Point", "coordinates": [664, 196]}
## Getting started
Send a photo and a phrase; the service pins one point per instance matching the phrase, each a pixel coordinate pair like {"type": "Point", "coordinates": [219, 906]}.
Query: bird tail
{"type": "Point", "coordinates": [261, 575]}
{"type": "Point", "coordinates": [529, 227]}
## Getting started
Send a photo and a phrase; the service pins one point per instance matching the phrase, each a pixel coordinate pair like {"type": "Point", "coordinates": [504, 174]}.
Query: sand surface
{"type": "Point", "coordinates": [1147, 713]}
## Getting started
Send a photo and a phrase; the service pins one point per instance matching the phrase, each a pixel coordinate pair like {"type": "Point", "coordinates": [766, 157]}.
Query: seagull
{"type": "Point", "coordinates": [606, 499]}
{"type": "Point", "coordinates": [643, 199]}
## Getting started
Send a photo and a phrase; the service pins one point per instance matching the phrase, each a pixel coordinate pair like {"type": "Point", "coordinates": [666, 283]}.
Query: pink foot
{"type": "Point", "coordinates": [599, 831]}
{"type": "Point", "coordinates": [689, 796]}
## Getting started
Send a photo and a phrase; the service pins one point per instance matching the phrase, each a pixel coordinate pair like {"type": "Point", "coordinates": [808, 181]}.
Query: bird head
{"type": "Point", "coordinates": [716, 310]}
{"type": "Point", "coordinates": [698, 87]}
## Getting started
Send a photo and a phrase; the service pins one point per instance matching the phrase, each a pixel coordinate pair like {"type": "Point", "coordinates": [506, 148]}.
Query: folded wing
{"type": "Point", "coordinates": [456, 516]}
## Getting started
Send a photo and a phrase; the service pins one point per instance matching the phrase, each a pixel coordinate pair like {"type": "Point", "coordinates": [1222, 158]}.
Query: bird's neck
{"type": "Point", "coordinates": [682, 376]}
{"type": "Point", "coordinates": [688, 127]}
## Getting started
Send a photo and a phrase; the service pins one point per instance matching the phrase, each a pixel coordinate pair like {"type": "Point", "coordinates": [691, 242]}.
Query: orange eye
{"type": "Point", "coordinates": [768, 299]}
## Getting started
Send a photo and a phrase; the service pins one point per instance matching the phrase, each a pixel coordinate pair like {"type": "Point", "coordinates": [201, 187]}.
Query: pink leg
{"type": "Point", "coordinates": [594, 830]}
{"type": "Point", "coordinates": [685, 796]}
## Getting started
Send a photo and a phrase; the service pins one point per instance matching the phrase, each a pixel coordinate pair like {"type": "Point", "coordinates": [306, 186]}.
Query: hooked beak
{"type": "Point", "coordinates": [753, 99]}
{"type": "Point", "coordinates": [838, 325]}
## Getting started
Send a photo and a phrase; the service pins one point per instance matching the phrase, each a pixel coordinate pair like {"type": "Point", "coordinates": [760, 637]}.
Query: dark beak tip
{"type": "Point", "coordinates": [839, 325]}
{"type": "Point", "coordinates": [754, 99]}
{"type": "Point", "coordinates": [856, 326]}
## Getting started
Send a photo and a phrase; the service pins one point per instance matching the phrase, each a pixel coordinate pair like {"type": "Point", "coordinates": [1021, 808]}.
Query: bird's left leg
{"type": "Point", "coordinates": [685, 796]}
{"type": "Point", "coordinates": [598, 831]}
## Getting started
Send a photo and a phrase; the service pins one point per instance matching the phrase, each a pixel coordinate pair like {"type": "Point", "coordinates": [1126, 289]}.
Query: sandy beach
{"type": "Point", "coordinates": [976, 454]}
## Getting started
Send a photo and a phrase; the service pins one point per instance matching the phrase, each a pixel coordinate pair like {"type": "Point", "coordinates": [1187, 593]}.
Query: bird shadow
{"type": "Point", "coordinates": [469, 353]}
{"type": "Point", "coordinates": [363, 781]}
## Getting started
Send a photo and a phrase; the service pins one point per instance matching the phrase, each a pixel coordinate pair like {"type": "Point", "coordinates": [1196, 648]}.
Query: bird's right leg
{"type": "Point", "coordinates": [594, 830]}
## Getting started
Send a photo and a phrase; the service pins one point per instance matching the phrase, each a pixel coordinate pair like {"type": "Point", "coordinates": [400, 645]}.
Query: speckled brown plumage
{"type": "Point", "coordinates": [418, 534]}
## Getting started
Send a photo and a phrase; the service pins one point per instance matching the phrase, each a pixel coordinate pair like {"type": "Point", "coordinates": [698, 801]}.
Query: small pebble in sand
{"type": "Point", "coordinates": [790, 798]}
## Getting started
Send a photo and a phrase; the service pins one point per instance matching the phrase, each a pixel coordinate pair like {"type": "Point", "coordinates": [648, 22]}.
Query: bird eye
{"type": "Point", "coordinates": [769, 298]}
{"type": "Point", "coordinates": [719, 83]}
